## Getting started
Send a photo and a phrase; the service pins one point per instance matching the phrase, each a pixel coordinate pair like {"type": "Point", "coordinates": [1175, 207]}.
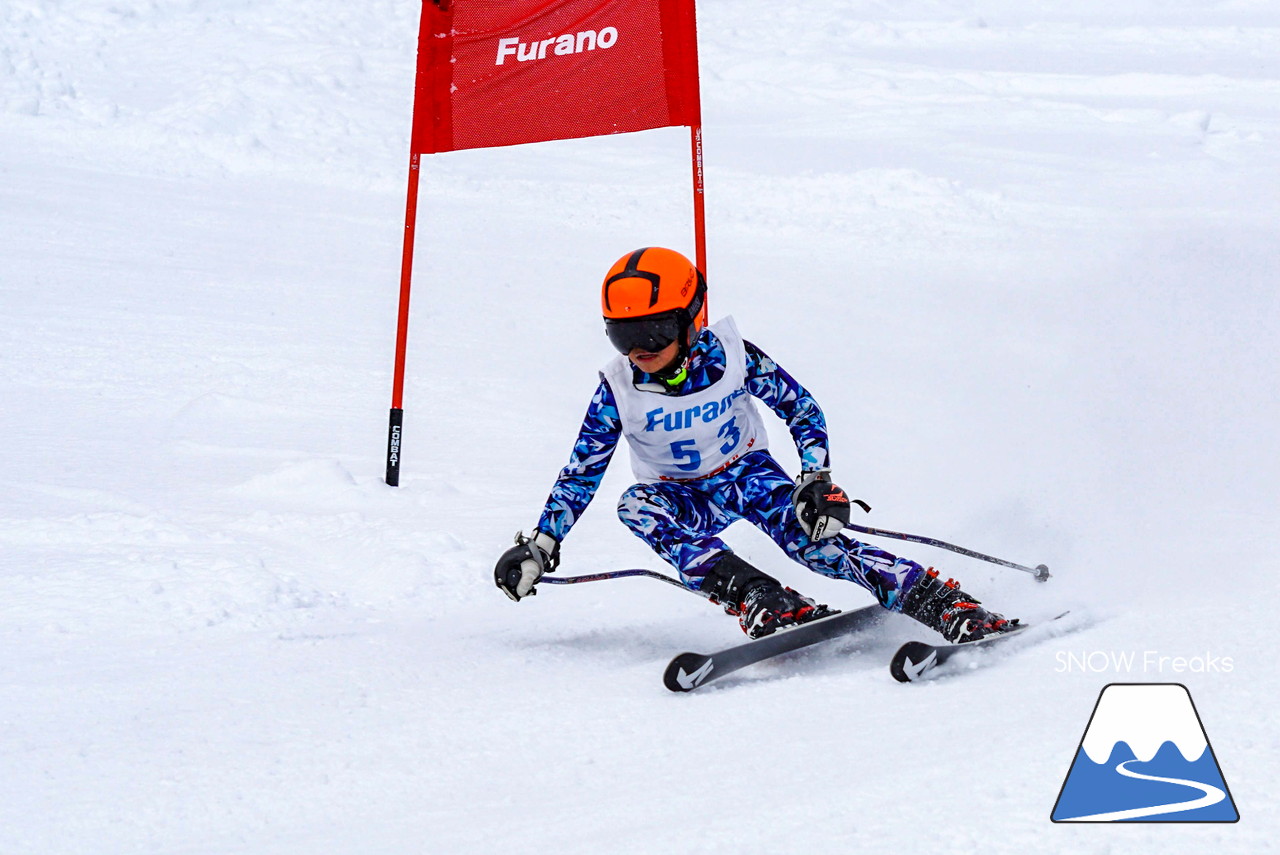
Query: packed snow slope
{"type": "Point", "coordinates": [1024, 253]}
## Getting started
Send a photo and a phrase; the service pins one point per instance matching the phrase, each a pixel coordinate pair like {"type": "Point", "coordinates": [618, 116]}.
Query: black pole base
{"type": "Point", "coordinates": [393, 446]}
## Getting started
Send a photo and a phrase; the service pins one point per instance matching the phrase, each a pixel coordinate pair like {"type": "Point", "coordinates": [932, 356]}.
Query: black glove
{"type": "Point", "coordinates": [521, 566]}
{"type": "Point", "coordinates": [823, 508]}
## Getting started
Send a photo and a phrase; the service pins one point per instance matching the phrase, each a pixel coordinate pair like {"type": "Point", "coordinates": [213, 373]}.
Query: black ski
{"type": "Point", "coordinates": [688, 671]}
{"type": "Point", "coordinates": [915, 659]}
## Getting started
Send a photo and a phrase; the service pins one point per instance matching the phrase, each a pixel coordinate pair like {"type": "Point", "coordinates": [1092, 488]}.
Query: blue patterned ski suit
{"type": "Point", "coordinates": [681, 520]}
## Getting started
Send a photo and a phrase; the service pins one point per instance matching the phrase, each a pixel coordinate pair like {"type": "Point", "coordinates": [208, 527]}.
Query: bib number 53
{"type": "Point", "coordinates": [686, 450]}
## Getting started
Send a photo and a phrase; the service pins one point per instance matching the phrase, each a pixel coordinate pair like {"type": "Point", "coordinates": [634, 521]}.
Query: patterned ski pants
{"type": "Point", "coordinates": [680, 520]}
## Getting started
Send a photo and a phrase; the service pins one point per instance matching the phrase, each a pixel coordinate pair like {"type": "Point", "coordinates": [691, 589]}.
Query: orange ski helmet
{"type": "Point", "coordinates": [652, 297]}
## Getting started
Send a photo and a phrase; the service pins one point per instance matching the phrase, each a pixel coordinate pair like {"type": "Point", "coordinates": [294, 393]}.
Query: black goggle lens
{"type": "Point", "coordinates": [648, 334]}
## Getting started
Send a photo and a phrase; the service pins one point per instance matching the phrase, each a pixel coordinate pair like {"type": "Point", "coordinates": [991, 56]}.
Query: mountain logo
{"type": "Point", "coordinates": [1145, 757]}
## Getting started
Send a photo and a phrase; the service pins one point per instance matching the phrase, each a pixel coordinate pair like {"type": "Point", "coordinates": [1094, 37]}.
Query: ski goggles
{"type": "Point", "coordinates": [650, 334]}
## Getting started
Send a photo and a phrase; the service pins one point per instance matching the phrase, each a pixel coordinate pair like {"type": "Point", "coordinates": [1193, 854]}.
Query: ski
{"type": "Point", "coordinates": [915, 659]}
{"type": "Point", "coordinates": [688, 671]}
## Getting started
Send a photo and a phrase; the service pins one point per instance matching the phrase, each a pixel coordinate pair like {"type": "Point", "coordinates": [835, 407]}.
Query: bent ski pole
{"type": "Point", "coordinates": [612, 574]}
{"type": "Point", "coordinates": [1040, 571]}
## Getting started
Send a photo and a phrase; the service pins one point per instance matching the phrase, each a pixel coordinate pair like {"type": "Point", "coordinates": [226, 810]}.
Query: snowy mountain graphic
{"type": "Point", "coordinates": [1145, 758]}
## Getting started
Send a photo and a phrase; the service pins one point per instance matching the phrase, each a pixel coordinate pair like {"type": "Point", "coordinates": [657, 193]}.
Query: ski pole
{"type": "Point", "coordinates": [1040, 571]}
{"type": "Point", "coordinates": [612, 574]}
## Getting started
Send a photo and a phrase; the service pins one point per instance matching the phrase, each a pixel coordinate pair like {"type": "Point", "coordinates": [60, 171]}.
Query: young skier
{"type": "Point", "coordinates": [682, 394]}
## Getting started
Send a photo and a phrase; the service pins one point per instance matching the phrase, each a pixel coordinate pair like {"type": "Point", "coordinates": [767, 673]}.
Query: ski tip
{"type": "Point", "coordinates": [912, 661]}
{"type": "Point", "coordinates": [688, 671]}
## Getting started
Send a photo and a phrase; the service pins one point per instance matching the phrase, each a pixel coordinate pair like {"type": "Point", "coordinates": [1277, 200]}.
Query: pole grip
{"type": "Point", "coordinates": [394, 430]}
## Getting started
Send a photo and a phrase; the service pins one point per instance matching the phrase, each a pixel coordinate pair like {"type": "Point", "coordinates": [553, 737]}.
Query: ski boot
{"type": "Point", "coordinates": [759, 602]}
{"type": "Point", "coordinates": [942, 606]}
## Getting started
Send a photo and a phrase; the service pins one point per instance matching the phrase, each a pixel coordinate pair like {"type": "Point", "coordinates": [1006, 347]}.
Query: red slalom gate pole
{"type": "Point", "coordinates": [689, 48]}
{"type": "Point", "coordinates": [699, 210]}
{"type": "Point", "coordinates": [699, 197]}
{"type": "Point", "coordinates": [396, 424]}
{"type": "Point", "coordinates": [699, 214]}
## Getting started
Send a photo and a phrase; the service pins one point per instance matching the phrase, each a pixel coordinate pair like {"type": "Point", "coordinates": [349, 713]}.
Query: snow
{"type": "Point", "coordinates": [1024, 253]}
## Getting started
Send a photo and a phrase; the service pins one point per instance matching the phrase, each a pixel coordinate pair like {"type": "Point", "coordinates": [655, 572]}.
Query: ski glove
{"type": "Point", "coordinates": [521, 566]}
{"type": "Point", "coordinates": [822, 507]}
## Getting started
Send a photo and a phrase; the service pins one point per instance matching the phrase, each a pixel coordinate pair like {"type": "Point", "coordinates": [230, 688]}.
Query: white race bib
{"type": "Point", "coordinates": [691, 436]}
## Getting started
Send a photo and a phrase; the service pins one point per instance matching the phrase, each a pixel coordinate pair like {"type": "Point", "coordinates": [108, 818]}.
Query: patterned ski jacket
{"type": "Point", "coordinates": [601, 427]}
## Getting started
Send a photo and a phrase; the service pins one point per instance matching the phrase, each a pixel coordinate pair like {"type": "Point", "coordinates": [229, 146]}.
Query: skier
{"type": "Point", "coordinates": [681, 392]}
